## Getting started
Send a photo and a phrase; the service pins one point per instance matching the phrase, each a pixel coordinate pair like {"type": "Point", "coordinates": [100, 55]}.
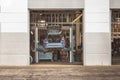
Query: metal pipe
{"type": "Point", "coordinates": [36, 45]}
{"type": "Point", "coordinates": [71, 44]}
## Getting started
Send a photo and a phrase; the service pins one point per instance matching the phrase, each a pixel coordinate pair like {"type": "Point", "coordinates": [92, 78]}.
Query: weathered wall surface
{"type": "Point", "coordinates": [97, 36]}
{"type": "Point", "coordinates": [14, 37]}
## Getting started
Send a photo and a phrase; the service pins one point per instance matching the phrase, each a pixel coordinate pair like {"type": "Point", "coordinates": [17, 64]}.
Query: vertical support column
{"type": "Point", "coordinates": [77, 34]}
{"type": "Point", "coordinates": [71, 45]}
{"type": "Point", "coordinates": [36, 45]}
{"type": "Point", "coordinates": [67, 17]}
{"type": "Point", "coordinates": [97, 36]}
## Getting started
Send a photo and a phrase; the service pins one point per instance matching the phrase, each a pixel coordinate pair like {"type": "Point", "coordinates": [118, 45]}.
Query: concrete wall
{"type": "Point", "coordinates": [115, 4]}
{"type": "Point", "coordinates": [0, 28]}
{"type": "Point", "coordinates": [48, 4]}
{"type": "Point", "coordinates": [97, 36]}
{"type": "Point", "coordinates": [42, 4]}
{"type": "Point", "coordinates": [14, 37]}
{"type": "Point", "coordinates": [14, 29]}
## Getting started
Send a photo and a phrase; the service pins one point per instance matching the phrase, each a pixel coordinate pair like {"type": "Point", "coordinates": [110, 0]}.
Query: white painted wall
{"type": "Point", "coordinates": [97, 16]}
{"type": "Point", "coordinates": [14, 19]}
{"type": "Point", "coordinates": [49, 4]}
{"type": "Point", "coordinates": [14, 27]}
{"type": "Point", "coordinates": [13, 22]}
{"type": "Point", "coordinates": [115, 4]}
{"type": "Point", "coordinates": [14, 5]}
{"type": "Point", "coordinates": [14, 35]}
{"type": "Point", "coordinates": [14, 12]}
{"type": "Point", "coordinates": [98, 20]}
{"type": "Point", "coordinates": [43, 4]}
{"type": "Point", "coordinates": [0, 2]}
{"type": "Point", "coordinates": [0, 12]}
{"type": "Point", "coordinates": [97, 50]}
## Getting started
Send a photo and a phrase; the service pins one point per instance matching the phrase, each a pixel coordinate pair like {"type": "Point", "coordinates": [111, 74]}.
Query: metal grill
{"type": "Point", "coordinates": [115, 24]}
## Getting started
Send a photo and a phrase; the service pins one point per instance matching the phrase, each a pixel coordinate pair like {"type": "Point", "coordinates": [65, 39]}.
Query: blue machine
{"type": "Point", "coordinates": [45, 56]}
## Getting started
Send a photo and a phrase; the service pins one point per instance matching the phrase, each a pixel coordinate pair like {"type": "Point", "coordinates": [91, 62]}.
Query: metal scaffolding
{"type": "Point", "coordinates": [69, 20]}
{"type": "Point", "coordinates": [115, 24]}
{"type": "Point", "coordinates": [62, 17]}
{"type": "Point", "coordinates": [115, 33]}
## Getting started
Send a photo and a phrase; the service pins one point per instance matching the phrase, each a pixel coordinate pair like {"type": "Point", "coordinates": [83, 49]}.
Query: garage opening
{"type": "Point", "coordinates": [56, 36]}
{"type": "Point", "coordinates": [115, 36]}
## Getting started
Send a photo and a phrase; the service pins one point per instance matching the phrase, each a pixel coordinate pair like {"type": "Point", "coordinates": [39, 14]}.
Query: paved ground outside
{"type": "Point", "coordinates": [60, 72]}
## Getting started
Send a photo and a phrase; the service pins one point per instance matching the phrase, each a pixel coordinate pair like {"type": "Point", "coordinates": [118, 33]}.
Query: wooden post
{"type": "Point", "coordinates": [77, 35]}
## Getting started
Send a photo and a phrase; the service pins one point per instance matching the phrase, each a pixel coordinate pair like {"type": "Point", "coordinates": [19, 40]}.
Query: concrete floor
{"type": "Point", "coordinates": [60, 72]}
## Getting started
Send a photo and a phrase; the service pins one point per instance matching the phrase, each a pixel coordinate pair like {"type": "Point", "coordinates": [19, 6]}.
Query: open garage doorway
{"type": "Point", "coordinates": [56, 36]}
{"type": "Point", "coordinates": [115, 37]}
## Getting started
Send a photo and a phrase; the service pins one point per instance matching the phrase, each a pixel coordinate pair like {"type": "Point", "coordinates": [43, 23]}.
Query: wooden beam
{"type": "Point", "coordinates": [76, 19]}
